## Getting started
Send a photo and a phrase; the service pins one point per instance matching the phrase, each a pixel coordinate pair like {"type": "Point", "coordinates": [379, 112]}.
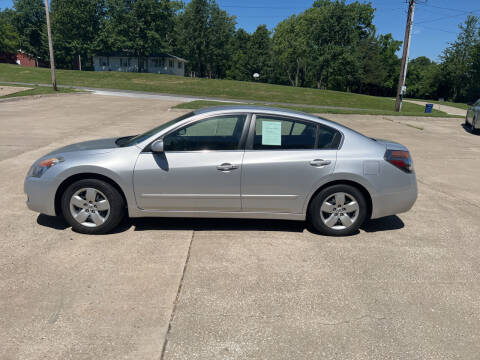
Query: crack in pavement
{"type": "Point", "coordinates": [177, 298]}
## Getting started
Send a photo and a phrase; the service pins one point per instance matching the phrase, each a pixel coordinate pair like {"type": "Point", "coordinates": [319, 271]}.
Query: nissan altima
{"type": "Point", "coordinates": [227, 162]}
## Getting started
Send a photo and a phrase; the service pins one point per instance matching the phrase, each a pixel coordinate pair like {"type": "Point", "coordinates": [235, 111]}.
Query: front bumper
{"type": "Point", "coordinates": [40, 195]}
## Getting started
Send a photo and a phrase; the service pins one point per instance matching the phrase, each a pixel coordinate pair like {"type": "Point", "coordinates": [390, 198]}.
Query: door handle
{"type": "Point", "coordinates": [227, 167]}
{"type": "Point", "coordinates": [320, 162]}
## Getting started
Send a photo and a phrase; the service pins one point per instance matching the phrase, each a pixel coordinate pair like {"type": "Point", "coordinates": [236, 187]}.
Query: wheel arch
{"type": "Point", "coordinates": [360, 187]}
{"type": "Point", "coordinates": [82, 176]}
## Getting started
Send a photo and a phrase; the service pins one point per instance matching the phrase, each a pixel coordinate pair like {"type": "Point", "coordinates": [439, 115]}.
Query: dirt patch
{"type": "Point", "coordinates": [7, 90]}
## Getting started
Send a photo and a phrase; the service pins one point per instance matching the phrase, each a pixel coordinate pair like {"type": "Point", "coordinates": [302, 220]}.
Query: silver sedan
{"type": "Point", "coordinates": [473, 116]}
{"type": "Point", "coordinates": [228, 162]}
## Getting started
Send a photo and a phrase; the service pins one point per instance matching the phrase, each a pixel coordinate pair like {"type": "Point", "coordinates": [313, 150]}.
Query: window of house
{"type": "Point", "coordinates": [170, 63]}
{"type": "Point", "coordinates": [103, 61]}
{"type": "Point", "coordinates": [217, 133]}
{"type": "Point", "coordinates": [180, 64]}
{"type": "Point", "coordinates": [124, 62]}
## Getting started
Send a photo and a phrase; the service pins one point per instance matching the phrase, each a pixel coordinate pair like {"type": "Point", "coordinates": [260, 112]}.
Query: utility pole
{"type": "Point", "coordinates": [406, 49]}
{"type": "Point", "coordinates": [50, 47]}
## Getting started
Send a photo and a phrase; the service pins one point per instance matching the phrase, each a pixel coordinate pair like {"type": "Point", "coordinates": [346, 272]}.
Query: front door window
{"type": "Point", "coordinates": [218, 133]}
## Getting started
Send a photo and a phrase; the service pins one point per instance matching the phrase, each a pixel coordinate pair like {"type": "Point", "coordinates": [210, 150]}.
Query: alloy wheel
{"type": "Point", "coordinates": [89, 207]}
{"type": "Point", "coordinates": [339, 211]}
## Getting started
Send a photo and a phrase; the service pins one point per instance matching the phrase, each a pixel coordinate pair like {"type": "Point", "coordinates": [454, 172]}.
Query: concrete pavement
{"type": "Point", "coordinates": [405, 287]}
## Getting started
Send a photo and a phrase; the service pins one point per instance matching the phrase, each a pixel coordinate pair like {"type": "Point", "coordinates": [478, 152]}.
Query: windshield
{"type": "Point", "coordinates": [139, 138]}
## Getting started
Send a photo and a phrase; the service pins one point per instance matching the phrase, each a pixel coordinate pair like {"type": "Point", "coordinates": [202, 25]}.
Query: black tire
{"type": "Point", "coordinates": [474, 124]}
{"type": "Point", "coordinates": [315, 217]}
{"type": "Point", "coordinates": [115, 213]}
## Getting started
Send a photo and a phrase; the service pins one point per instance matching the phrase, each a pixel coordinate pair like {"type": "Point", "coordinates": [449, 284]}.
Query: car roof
{"type": "Point", "coordinates": [265, 110]}
{"type": "Point", "coordinates": [251, 108]}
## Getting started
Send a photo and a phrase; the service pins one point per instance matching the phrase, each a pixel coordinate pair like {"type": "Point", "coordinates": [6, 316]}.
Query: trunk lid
{"type": "Point", "coordinates": [391, 145]}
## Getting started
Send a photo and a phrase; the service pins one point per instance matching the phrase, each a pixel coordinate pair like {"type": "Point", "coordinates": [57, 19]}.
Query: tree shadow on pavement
{"type": "Point", "coordinates": [211, 224]}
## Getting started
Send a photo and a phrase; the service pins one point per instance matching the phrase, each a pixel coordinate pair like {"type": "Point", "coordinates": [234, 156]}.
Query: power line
{"type": "Point", "coordinates": [442, 8]}
{"type": "Point", "coordinates": [448, 17]}
{"type": "Point", "coordinates": [442, 30]}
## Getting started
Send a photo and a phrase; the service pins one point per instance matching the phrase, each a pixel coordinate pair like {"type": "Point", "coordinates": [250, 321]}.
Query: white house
{"type": "Point", "coordinates": [157, 63]}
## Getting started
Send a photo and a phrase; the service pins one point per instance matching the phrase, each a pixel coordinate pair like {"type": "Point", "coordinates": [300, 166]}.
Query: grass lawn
{"type": "Point", "coordinates": [36, 90]}
{"type": "Point", "coordinates": [226, 89]}
{"type": "Point", "coordinates": [199, 104]}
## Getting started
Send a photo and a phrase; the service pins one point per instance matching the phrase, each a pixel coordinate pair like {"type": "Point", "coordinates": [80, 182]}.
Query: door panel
{"type": "Point", "coordinates": [279, 180]}
{"type": "Point", "coordinates": [188, 181]}
{"type": "Point", "coordinates": [199, 169]}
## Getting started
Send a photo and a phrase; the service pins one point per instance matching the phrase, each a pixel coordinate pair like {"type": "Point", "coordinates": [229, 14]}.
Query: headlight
{"type": "Point", "coordinates": [38, 169]}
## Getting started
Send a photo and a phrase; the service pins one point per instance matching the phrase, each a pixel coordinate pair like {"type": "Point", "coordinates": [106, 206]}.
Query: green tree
{"type": "Point", "coordinates": [142, 27]}
{"type": "Point", "coordinates": [474, 86]}
{"type": "Point", "coordinates": [457, 61]}
{"type": "Point", "coordinates": [238, 69]}
{"type": "Point", "coordinates": [319, 46]}
{"type": "Point", "coordinates": [30, 22]}
{"type": "Point", "coordinates": [379, 66]}
{"type": "Point", "coordinates": [388, 49]}
{"type": "Point", "coordinates": [204, 37]}
{"type": "Point", "coordinates": [290, 49]}
{"type": "Point", "coordinates": [337, 30]}
{"type": "Point", "coordinates": [422, 78]}
{"type": "Point", "coordinates": [251, 54]}
{"type": "Point", "coordinates": [9, 38]}
{"type": "Point", "coordinates": [259, 51]}
{"type": "Point", "coordinates": [75, 25]}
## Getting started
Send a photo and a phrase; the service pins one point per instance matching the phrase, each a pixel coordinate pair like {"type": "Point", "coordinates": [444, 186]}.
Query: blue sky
{"type": "Point", "coordinates": [435, 24]}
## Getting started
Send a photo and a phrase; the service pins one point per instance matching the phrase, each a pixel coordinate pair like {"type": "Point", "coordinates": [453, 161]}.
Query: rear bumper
{"type": "Point", "coordinates": [40, 195]}
{"type": "Point", "coordinates": [395, 203]}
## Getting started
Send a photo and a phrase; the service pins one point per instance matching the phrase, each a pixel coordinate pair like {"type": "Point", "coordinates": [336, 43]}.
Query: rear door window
{"type": "Point", "coordinates": [272, 133]}
{"type": "Point", "coordinates": [277, 133]}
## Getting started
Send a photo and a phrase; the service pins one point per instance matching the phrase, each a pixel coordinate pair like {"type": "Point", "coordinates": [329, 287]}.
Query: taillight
{"type": "Point", "coordinates": [401, 159]}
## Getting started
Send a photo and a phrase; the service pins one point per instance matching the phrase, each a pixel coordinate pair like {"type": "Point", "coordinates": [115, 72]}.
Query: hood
{"type": "Point", "coordinates": [391, 145]}
{"type": "Point", "coordinates": [93, 146]}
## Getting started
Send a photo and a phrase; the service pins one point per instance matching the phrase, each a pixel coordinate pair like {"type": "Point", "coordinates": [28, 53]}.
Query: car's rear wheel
{"type": "Point", "coordinates": [338, 210]}
{"type": "Point", "coordinates": [92, 206]}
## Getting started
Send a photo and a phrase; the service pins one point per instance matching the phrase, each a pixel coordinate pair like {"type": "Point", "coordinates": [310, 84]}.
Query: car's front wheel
{"type": "Point", "coordinates": [338, 210]}
{"type": "Point", "coordinates": [92, 206]}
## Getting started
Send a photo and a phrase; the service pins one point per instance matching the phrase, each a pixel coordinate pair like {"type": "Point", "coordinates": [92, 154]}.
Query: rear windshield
{"type": "Point", "coordinates": [139, 138]}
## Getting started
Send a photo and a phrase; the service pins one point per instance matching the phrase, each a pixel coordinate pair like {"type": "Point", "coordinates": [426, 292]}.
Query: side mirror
{"type": "Point", "coordinates": [157, 146]}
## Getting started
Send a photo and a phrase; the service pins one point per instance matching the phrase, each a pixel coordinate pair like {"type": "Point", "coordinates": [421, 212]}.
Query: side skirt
{"type": "Point", "coordinates": [215, 214]}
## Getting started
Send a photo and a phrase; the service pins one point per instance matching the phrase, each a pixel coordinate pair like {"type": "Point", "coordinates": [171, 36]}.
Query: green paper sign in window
{"type": "Point", "coordinates": [271, 133]}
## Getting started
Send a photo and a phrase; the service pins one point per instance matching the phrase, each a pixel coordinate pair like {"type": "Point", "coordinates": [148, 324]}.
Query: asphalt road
{"type": "Point", "coordinates": [405, 287]}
